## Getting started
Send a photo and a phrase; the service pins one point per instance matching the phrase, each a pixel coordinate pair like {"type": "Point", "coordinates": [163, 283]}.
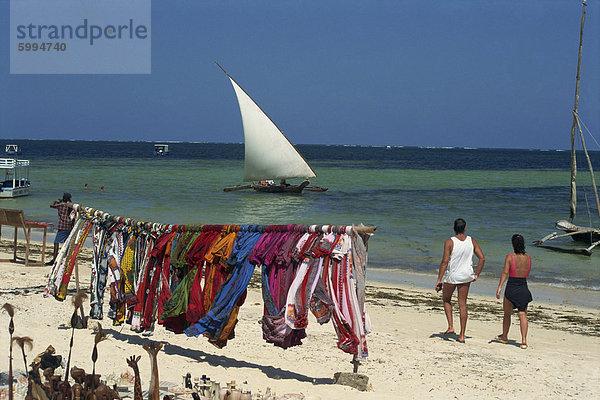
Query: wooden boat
{"type": "Point", "coordinates": [590, 236]}
{"type": "Point", "coordinates": [269, 156]}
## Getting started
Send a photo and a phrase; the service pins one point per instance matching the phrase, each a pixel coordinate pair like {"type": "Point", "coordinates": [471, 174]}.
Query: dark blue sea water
{"type": "Point", "coordinates": [411, 194]}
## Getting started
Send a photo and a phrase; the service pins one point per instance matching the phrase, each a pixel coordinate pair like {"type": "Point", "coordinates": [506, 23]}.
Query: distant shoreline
{"type": "Point", "coordinates": [392, 146]}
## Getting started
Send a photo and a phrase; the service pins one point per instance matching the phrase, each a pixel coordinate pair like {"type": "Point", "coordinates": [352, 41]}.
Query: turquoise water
{"type": "Point", "coordinates": [412, 202]}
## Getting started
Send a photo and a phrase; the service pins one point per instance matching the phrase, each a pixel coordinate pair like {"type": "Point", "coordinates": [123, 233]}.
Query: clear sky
{"type": "Point", "coordinates": [476, 73]}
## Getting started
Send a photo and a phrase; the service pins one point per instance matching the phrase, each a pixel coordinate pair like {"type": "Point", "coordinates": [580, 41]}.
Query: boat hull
{"type": "Point", "coordinates": [583, 234]}
{"type": "Point", "coordinates": [9, 193]}
{"type": "Point", "coordinates": [587, 238]}
{"type": "Point", "coordinates": [315, 189]}
{"type": "Point", "coordinates": [278, 188]}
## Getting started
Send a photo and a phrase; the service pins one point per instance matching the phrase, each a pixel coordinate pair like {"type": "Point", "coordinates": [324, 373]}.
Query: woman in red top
{"type": "Point", "coordinates": [516, 295]}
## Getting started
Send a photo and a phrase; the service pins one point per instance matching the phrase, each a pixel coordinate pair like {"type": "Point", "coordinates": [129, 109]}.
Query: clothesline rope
{"type": "Point", "coordinates": [90, 213]}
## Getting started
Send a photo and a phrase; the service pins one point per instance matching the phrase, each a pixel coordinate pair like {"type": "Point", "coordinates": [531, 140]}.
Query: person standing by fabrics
{"type": "Point", "coordinates": [456, 271]}
{"type": "Point", "coordinates": [64, 207]}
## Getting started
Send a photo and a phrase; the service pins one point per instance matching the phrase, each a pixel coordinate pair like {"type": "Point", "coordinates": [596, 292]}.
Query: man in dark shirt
{"type": "Point", "coordinates": [65, 223]}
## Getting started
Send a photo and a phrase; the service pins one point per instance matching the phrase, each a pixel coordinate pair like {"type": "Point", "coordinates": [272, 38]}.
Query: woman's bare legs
{"type": "Point", "coordinates": [508, 310]}
{"type": "Point", "coordinates": [463, 291]}
{"type": "Point", "coordinates": [524, 325]}
{"type": "Point", "coordinates": [447, 292]}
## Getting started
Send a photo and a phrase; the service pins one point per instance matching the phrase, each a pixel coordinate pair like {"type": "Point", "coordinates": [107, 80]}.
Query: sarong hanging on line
{"type": "Point", "coordinates": [231, 290]}
{"type": "Point", "coordinates": [63, 265]}
{"type": "Point", "coordinates": [195, 281]}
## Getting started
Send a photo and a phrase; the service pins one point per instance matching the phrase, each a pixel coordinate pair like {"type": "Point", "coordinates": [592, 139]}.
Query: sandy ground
{"type": "Point", "coordinates": [408, 355]}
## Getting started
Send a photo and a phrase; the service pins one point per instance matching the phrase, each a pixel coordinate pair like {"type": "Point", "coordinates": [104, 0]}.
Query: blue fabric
{"type": "Point", "coordinates": [266, 292]}
{"type": "Point", "coordinates": [232, 288]}
{"type": "Point", "coordinates": [61, 236]}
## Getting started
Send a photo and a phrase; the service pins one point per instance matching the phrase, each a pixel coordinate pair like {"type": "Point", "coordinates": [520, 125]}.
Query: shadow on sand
{"type": "Point", "coordinates": [217, 360]}
{"type": "Point", "coordinates": [449, 337]}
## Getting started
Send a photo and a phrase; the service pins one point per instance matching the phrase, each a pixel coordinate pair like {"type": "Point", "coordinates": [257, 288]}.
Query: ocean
{"type": "Point", "coordinates": [412, 195]}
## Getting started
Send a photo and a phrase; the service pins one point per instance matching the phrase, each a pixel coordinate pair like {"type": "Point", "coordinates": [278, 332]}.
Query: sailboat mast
{"type": "Point", "coordinates": [577, 126]}
{"type": "Point", "coordinates": [573, 206]}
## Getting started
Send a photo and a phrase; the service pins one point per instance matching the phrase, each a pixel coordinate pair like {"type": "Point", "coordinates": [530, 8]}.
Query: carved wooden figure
{"type": "Point", "coordinates": [153, 349]}
{"type": "Point", "coordinates": [104, 392]}
{"type": "Point", "coordinates": [137, 385]}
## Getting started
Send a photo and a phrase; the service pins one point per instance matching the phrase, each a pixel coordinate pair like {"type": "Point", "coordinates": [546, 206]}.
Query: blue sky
{"type": "Point", "coordinates": [476, 73]}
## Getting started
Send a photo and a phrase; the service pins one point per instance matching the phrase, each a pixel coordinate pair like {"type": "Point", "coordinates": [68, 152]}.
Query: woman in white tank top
{"type": "Point", "coordinates": [456, 271]}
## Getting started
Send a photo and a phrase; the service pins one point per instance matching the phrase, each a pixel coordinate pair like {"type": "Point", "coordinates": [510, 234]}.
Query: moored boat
{"type": "Point", "coordinates": [15, 178]}
{"type": "Point", "coordinates": [161, 149]}
{"type": "Point", "coordinates": [12, 149]}
{"type": "Point", "coordinates": [589, 235]}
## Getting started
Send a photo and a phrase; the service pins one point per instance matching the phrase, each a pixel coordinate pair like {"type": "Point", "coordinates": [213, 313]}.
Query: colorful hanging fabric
{"type": "Point", "coordinates": [195, 256]}
{"type": "Point", "coordinates": [232, 289]}
{"type": "Point", "coordinates": [149, 287]}
{"type": "Point", "coordinates": [61, 293]}
{"type": "Point", "coordinates": [175, 308]}
{"type": "Point", "coordinates": [301, 289]}
{"type": "Point", "coordinates": [164, 289]}
{"type": "Point", "coordinates": [99, 270]}
{"type": "Point", "coordinates": [348, 318]}
{"type": "Point", "coordinates": [193, 279]}
{"type": "Point", "coordinates": [114, 259]}
{"type": "Point", "coordinates": [125, 298]}
{"type": "Point", "coordinates": [60, 264]}
{"type": "Point", "coordinates": [143, 279]}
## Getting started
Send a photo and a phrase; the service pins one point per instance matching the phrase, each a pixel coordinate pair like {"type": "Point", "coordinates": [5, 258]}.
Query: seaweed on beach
{"type": "Point", "coordinates": [483, 310]}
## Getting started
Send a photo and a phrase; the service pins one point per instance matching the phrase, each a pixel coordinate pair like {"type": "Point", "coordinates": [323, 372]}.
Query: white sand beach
{"type": "Point", "coordinates": [408, 355]}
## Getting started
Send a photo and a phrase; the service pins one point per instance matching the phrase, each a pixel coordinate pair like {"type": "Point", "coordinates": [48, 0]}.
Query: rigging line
{"type": "Point", "coordinates": [588, 132]}
{"type": "Point", "coordinates": [585, 195]}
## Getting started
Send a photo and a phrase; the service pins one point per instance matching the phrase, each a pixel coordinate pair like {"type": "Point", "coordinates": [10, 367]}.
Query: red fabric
{"type": "Point", "coordinates": [165, 290]}
{"type": "Point", "coordinates": [195, 309]}
{"type": "Point", "coordinates": [157, 255]}
{"type": "Point", "coordinates": [62, 290]}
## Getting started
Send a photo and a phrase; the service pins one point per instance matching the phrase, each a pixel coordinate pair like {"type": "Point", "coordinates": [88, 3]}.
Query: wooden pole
{"type": "Point", "coordinates": [554, 235]}
{"type": "Point", "coordinates": [573, 202]}
{"type": "Point", "coordinates": [589, 249]}
{"type": "Point", "coordinates": [77, 291]}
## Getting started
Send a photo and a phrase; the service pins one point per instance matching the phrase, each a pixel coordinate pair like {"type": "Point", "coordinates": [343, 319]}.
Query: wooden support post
{"type": "Point", "coordinates": [27, 232]}
{"type": "Point", "coordinates": [77, 290]}
{"type": "Point", "coordinates": [44, 245]}
{"type": "Point", "coordinates": [15, 245]}
{"type": "Point", "coordinates": [356, 363]}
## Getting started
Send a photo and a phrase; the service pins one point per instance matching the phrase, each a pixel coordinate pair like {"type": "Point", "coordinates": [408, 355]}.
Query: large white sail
{"type": "Point", "coordinates": [269, 154]}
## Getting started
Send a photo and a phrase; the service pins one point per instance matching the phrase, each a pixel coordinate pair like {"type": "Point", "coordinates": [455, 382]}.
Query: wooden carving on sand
{"type": "Point", "coordinates": [137, 386]}
{"type": "Point", "coordinates": [153, 349]}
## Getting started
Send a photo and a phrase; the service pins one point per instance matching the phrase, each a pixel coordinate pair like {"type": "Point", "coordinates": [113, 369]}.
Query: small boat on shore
{"type": "Point", "coordinates": [269, 154]}
{"type": "Point", "coordinates": [15, 178]}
